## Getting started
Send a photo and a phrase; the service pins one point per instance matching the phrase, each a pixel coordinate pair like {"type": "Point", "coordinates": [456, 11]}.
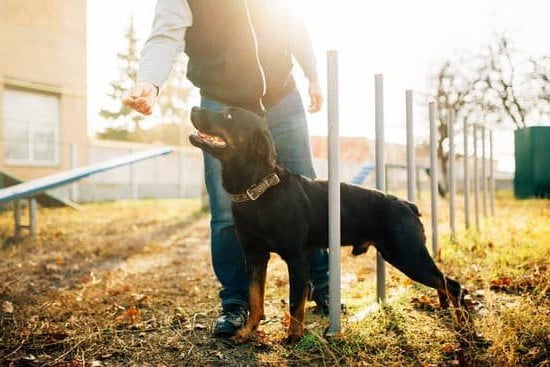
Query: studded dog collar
{"type": "Point", "coordinates": [257, 190]}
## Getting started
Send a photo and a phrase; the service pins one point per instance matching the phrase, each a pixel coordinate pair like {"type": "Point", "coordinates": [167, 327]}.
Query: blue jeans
{"type": "Point", "coordinates": [287, 123]}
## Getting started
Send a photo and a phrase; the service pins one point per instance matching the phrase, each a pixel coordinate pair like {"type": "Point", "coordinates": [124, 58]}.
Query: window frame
{"type": "Point", "coordinates": [31, 161]}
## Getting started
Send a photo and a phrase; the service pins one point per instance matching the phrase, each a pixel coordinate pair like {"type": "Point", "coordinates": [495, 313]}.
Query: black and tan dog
{"type": "Point", "coordinates": [277, 211]}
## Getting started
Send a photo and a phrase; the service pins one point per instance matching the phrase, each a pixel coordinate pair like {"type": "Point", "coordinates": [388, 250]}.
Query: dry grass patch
{"type": "Point", "coordinates": [130, 283]}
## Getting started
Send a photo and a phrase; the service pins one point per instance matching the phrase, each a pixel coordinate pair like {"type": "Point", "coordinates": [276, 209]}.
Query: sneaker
{"type": "Point", "coordinates": [321, 299]}
{"type": "Point", "coordinates": [231, 319]}
{"type": "Point", "coordinates": [320, 296]}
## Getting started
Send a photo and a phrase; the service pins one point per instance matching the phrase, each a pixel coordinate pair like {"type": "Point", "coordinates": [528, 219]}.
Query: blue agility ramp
{"type": "Point", "coordinates": [34, 187]}
{"type": "Point", "coordinates": [363, 173]}
{"type": "Point", "coordinates": [31, 189]}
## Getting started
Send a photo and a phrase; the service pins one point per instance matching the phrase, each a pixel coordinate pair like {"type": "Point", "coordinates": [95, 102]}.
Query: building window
{"type": "Point", "coordinates": [31, 128]}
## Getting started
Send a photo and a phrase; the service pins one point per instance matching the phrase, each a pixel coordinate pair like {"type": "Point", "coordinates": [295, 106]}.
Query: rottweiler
{"type": "Point", "coordinates": [278, 211]}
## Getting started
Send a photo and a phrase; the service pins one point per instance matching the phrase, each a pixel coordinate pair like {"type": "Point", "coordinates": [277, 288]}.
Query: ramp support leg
{"type": "Point", "coordinates": [18, 226]}
{"type": "Point", "coordinates": [32, 217]}
{"type": "Point", "coordinates": [17, 219]}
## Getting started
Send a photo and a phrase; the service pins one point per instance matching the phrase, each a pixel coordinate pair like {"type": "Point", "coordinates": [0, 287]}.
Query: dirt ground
{"type": "Point", "coordinates": [131, 284]}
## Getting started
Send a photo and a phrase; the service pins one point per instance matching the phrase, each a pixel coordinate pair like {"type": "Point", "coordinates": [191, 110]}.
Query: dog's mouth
{"type": "Point", "coordinates": [210, 140]}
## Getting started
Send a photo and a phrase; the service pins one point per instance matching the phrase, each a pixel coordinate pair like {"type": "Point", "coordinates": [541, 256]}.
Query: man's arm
{"type": "Point", "coordinates": [159, 53]}
{"type": "Point", "coordinates": [302, 49]}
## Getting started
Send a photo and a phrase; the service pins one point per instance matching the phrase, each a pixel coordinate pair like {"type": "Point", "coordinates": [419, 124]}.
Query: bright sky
{"type": "Point", "coordinates": [404, 40]}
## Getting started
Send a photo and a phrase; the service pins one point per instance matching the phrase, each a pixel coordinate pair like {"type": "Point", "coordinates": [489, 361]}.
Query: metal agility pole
{"type": "Point", "coordinates": [333, 194]}
{"type": "Point", "coordinates": [483, 172]}
{"type": "Point", "coordinates": [492, 168]}
{"type": "Point", "coordinates": [380, 185]}
{"type": "Point", "coordinates": [466, 184]}
{"type": "Point", "coordinates": [476, 179]}
{"type": "Point", "coordinates": [433, 177]}
{"type": "Point", "coordinates": [452, 189]}
{"type": "Point", "coordinates": [411, 171]}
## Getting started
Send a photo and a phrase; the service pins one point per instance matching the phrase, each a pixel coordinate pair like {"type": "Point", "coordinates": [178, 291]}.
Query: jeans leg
{"type": "Point", "coordinates": [228, 258]}
{"type": "Point", "coordinates": [288, 126]}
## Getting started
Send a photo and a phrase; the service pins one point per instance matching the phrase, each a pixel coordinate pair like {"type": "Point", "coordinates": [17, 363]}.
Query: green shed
{"type": "Point", "coordinates": [532, 151]}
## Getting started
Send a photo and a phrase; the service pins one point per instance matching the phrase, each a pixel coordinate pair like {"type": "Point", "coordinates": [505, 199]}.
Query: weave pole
{"type": "Point", "coordinates": [483, 172]}
{"type": "Point", "coordinates": [334, 328]}
{"type": "Point", "coordinates": [492, 168]}
{"type": "Point", "coordinates": [476, 179]}
{"type": "Point", "coordinates": [433, 177]}
{"type": "Point", "coordinates": [466, 177]}
{"type": "Point", "coordinates": [452, 189]}
{"type": "Point", "coordinates": [411, 169]}
{"type": "Point", "coordinates": [380, 184]}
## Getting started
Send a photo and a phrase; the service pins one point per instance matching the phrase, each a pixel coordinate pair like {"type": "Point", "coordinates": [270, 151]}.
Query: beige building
{"type": "Point", "coordinates": [42, 85]}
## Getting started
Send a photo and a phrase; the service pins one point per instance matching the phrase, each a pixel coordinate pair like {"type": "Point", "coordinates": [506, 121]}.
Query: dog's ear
{"type": "Point", "coordinates": [264, 147]}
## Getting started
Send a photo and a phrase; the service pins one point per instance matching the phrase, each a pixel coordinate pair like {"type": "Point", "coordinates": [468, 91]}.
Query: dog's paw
{"type": "Point", "coordinates": [293, 339]}
{"type": "Point", "coordinates": [243, 335]}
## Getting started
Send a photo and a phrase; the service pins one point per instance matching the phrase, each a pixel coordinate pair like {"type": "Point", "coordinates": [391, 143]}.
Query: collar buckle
{"type": "Point", "coordinates": [255, 191]}
{"type": "Point", "coordinates": [252, 193]}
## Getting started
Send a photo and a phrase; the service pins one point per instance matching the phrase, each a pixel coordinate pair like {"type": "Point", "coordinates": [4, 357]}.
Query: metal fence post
{"type": "Point", "coordinates": [411, 171]}
{"type": "Point", "coordinates": [483, 172]}
{"type": "Point", "coordinates": [492, 168]}
{"type": "Point", "coordinates": [476, 179]}
{"type": "Point", "coordinates": [379, 149]}
{"type": "Point", "coordinates": [433, 177]}
{"type": "Point", "coordinates": [452, 189]}
{"type": "Point", "coordinates": [466, 178]}
{"type": "Point", "coordinates": [334, 193]}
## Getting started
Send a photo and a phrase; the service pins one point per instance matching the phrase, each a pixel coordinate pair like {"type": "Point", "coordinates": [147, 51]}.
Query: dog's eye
{"type": "Point", "coordinates": [227, 115]}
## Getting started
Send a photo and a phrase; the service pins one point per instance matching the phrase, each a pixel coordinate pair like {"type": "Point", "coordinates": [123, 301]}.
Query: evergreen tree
{"type": "Point", "coordinates": [173, 101]}
{"type": "Point", "coordinates": [127, 78]}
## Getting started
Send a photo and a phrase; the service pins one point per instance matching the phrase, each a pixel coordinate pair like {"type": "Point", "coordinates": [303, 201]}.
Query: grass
{"type": "Point", "coordinates": [130, 283]}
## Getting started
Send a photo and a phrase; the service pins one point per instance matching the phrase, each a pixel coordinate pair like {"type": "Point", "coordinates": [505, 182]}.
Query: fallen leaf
{"type": "Point", "coordinates": [59, 261]}
{"type": "Point", "coordinates": [7, 307]}
{"type": "Point", "coordinates": [132, 315]}
{"type": "Point", "coordinates": [506, 284]}
{"type": "Point", "coordinates": [118, 290]}
{"type": "Point", "coordinates": [425, 303]}
{"type": "Point", "coordinates": [448, 348]}
{"type": "Point", "coordinates": [501, 283]}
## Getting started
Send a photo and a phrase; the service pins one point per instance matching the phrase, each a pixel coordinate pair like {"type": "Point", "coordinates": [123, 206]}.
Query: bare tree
{"type": "Point", "coordinates": [541, 84]}
{"type": "Point", "coordinates": [494, 85]}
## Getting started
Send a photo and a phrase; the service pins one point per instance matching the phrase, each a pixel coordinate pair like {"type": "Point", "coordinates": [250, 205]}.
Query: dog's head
{"type": "Point", "coordinates": [237, 137]}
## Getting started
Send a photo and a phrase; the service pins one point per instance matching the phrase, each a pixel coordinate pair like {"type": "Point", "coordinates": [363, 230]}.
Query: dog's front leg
{"type": "Point", "coordinates": [256, 266]}
{"type": "Point", "coordinates": [298, 274]}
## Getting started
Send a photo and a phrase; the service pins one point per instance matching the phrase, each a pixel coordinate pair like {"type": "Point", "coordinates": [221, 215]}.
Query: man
{"type": "Point", "coordinates": [240, 53]}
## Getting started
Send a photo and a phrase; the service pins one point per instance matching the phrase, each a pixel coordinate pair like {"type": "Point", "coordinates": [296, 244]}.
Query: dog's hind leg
{"type": "Point", "coordinates": [409, 255]}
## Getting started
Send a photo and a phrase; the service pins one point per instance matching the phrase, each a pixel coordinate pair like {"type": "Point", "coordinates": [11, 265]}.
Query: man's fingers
{"type": "Point", "coordinates": [137, 91]}
{"type": "Point", "coordinates": [319, 102]}
{"type": "Point", "coordinates": [141, 98]}
{"type": "Point", "coordinates": [316, 102]}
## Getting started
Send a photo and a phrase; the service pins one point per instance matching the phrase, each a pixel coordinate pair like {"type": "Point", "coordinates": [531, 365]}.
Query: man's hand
{"type": "Point", "coordinates": [142, 97]}
{"type": "Point", "coordinates": [315, 96]}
